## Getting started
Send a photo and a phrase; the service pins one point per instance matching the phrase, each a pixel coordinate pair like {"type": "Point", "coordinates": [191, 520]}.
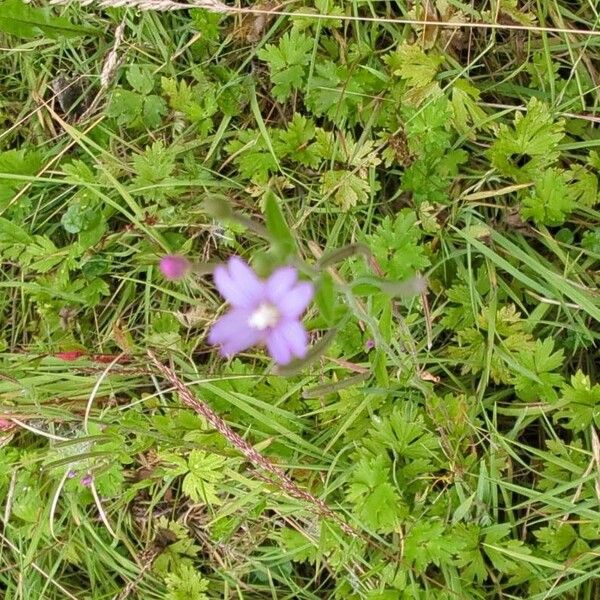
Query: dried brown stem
{"type": "Point", "coordinates": [216, 6]}
{"type": "Point", "coordinates": [276, 475]}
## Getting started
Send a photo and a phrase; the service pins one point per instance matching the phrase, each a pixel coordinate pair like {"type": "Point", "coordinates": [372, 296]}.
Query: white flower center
{"type": "Point", "coordinates": [265, 316]}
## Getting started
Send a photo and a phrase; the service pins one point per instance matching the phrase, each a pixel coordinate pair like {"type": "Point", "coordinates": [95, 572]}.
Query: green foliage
{"type": "Point", "coordinates": [434, 163]}
{"type": "Point", "coordinates": [557, 193]}
{"type": "Point", "coordinates": [296, 142]}
{"type": "Point", "coordinates": [412, 64]}
{"type": "Point", "coordinates": [523, 151]}
{"type": "Point", "coordinates": [288, 61]}
{"type": "Point", "coordinates": [376, 501]}
{"type": "Point", "coordinates": [20, 164]}
{"type": "Point", "coordinates": [253, 156]}
{"type": "Point", "coordinates": [137, 106]}
{"type": "Point", "coordinates": [580, 403]}
{"type": "Point", "coordinates": [186, 584]}
{"type": "Point", "coordinates": [154, 170]}
{"type": "Point", "coordinates": [539, 382]}
{"type": "Point", "coordinates": [473, 343]}
{"type": "Point", "coordinates": [396, 246]}
{"type": "Point", "coordinates": [283, 240]}
{"type": "Point", "coordinates": [551, 201]}
{"type": "Point", "coordinates": [196, 102]}
{"type": "Point", "coordinates": [22, 20]}
{"type": "Point", "coordinates": [346, 188]}
{"type": "Point", "coordinates": [427, 543]}
{"type": "Point", "coordinates": [468, 115]}
{"type": "Point", "coordinates": [562, 540]}
{"type": "Point", "coordinates": [340, 92]}
{"type": "Point", "coordinates": [439, 187]}
{"type": "Point", "coordinates": [204, 472]}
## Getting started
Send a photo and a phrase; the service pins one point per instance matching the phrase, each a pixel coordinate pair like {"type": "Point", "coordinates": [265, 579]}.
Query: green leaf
{"type": "Point", "coordinates": [542, 384]}
{"type": "Point", "coordinates": [198, 103]}
{"type": "Point", "coordinates": [140, 80]}
{"type": "Point", "coordinates": [468, 115]}
{"type": "Point", "coordinates": [584, 185]}
{"type": "Point", "coordinates": [154, 109]}
{"type": "Point", "coordinates": [295, 142]}
{"type": "Point", "coordinates": [523, 151]}
{"type": "Point", "coordinates": [277, 226]}
{"type": "Point", "coordinates": [427, 542]}
{"type": "Point", "coordinates": [433, 163]}
{"type": "Point", "coordinates": [581, 402]}
{"type": "Point", "coordinates": [552, 200]}
{"type": "Point", "coordinates": [396, 246]}
{"type": "Point", "coordinates": [342, 93]}
{"type": "Point", "coordinates": [186, 584]}
{"type": "Point", "coordinates": [404, 433]}
{"type": "Point", "coordinates": [503, 553]}
{"type": "Point", "coordinates": [411, 63]}
{"type": "Point", "coordinates": [78, 218]}
{"type": "Point", "coordinates": [590, 240]}
{"type": "Point", "coordinates": [204, 471]}
{"type": "Point", "coordinates": [325, 298]}
{"type": "Point", "coordinates": [253, 157]}
{"type": "Point", "coordinates": [300, 548]}
{"type": "Point", "coordinates": [154, 168]}
{"type": "Point", "coordinates": [25, 21]}
{"type": "Point", "coordinates": [470, 559]}
{"type": "Point", "coordinates": [42, 255]}
{"type": "Point", "coordinates": [178, 553]}
{"type": "Point", "coordinates": [20, 162]}
{"type": "Point", "coordinates": [79, 171]}
{"type": "Point", "coordinates": [472, 351]}
{"type": "Point", "coordinates": [512, 10]}
{"type": "Point", "coordinates": [93, 291]}
{"type": "Point", "coordinates": [125, 106]}
{"type": "Point", "coordinates": [16, 162]}
{"type": "Point", "coordinates": [287, 62]}
{"type": "Point", "coordinates": [346, 188]}
{"type": "Point", "coordinates": [11, 234]}
{"type": "Point", "coordinates": [376, 500]}
{"type": "Point", "coordinates": [557, 538]}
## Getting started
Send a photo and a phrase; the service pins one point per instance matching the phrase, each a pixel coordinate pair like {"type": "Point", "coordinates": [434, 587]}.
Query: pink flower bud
{"type": "Point", "coordinates": [174, 267]}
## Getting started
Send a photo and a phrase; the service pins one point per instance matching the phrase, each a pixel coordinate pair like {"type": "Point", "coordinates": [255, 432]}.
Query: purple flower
{"type": "Point", "coordinates": [174, 267]}
{"type": "Point", "coordinates": [86, 480]}
{"type": "Point", "coordinates": [262, 311]}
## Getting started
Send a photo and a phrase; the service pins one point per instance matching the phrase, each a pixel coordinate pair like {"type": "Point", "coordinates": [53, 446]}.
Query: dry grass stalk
{"type": "Point", "coordinates": [156, 5]}
{"type": "Point", "coordinates": [109, 68]}
{"type": "Point", "coordinates": [276, 474]}
{"type": "Point", "coordinates": [110, 64]}
{"type": "Point", "coordinates": [216, 6]}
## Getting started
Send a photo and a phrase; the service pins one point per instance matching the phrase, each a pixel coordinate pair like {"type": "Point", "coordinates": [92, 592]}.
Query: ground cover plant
{"type": "Point", "coordinates": [426, 173]}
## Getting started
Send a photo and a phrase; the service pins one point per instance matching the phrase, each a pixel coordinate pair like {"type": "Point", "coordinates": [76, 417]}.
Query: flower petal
{"type": "Point", "coordinates": [238, 283]}
{"type": "Point", "coordinates": [280, 282]}
{"type": "Point", "coordinates": [245, 277]}
{"type": "Point", "coordinates": [242, 341]}
{"type": "Point", "coordinates": [278, 347]}
{"type": "Point", "coordinates": [296, 337]}
{"type": "Point", "coordinates": [232, 333]}
{"type": "Point", "coordinates": [295, 301]}
{"type": "Point", "coordinates": [228, 326]}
